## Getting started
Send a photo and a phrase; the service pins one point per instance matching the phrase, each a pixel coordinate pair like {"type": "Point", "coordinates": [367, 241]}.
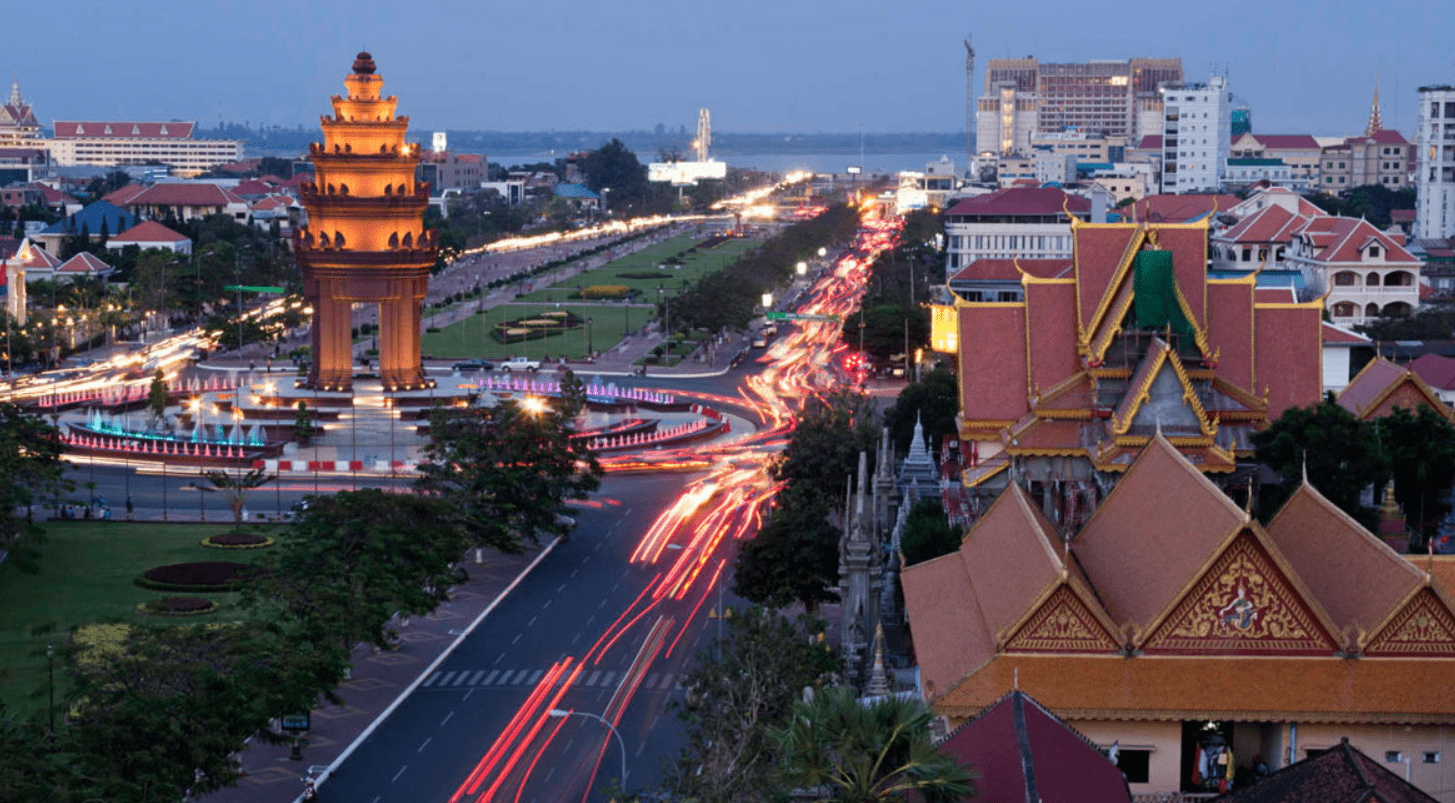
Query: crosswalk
{"type": "Point", "coordinates": [600, 678]}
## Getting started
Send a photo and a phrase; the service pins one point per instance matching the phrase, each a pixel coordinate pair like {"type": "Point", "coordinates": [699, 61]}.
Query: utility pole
{"type": "Point", "coordinates": [969, 104]}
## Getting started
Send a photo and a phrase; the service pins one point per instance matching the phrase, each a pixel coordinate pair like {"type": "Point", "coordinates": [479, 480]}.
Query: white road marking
{"type": "Point", "coordinates": [532, 621]}
{"type": "Point", "coordinates": [535, 676]}
{"type": "Point", "coordinates": [475, 678]}
{"type": "Point", "coordinates": [517, 638]}
{"type": "Point", "coordinates": [502, 655]}
{"type": "Point", "coordinates": [426, 744]}
{"type": "Point", "coordinates": [562, 588]}
{"type": "Point", "coordinates": [460, 681]}
{"type": "Point", "coordinates": [446, 719]}
{"type": "Point", "coordinates": [399, 773]}
{"type": "Point", "coordinates": [467, 695]}
{"type": "Point", "coordinates": [573, 574]}
{"type": "Point", "coordinates": [490, 678]}
{"type": "Point", "coordinates": [520, 677]}
{"type": "Point", "coordinates": [547, 605]}
{"type": "Point", "coordinates": [432, 679]}
{"type": "Point", "coordinates": [606, 681]}
{"type": "Point", "coordinates": [652, 680]}
{"type": "Point", "coordinates": [576, 639]}
{"type": "Point", "coordinates": [640, 749]}
{"type": "Point", "coordinates": [591, 681]}
{"type": "Point", "coordinates": [445, 681]}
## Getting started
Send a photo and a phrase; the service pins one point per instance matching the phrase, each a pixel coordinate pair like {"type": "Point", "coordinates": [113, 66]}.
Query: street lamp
{"type": "Point", "coordinates": [559, 713]}
{"type": "Point", "coordinates": [802, 268]}
{"type": "Point", "coordinates": [767, 301]}
{"type": "Point", "coordinates": [822, 252]}
{"type": "Point", "coordinates": [589, 350]}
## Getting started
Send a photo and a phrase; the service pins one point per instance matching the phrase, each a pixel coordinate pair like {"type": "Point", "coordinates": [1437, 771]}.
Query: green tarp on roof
{"type": "Point", "coordinates": [1154, 305]}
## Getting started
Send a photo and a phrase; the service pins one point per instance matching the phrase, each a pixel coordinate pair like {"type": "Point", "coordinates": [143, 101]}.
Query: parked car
{"type": "Point", "coordinates": [471, 366]}
{"type": "Point", "coordinates": [520, 364]}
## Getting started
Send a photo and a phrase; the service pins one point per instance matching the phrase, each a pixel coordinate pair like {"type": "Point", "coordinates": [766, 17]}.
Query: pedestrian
{"type": "Point", "coordinates": [129, 508]}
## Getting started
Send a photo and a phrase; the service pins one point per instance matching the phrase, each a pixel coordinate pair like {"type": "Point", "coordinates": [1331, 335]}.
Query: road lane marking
{"type": "Point", "coordinates": [535, 676]}
{"type": "Point", "coordinates": [445, 681]}
{"type": "Point", "coordinates": [467, 695]}
{"type": "Point", "coordinates": [549, 774]}
{"type": "Point", "coordinates": [460, 681]}
{"type": "Point", "coordinates": [547, 605]}
{"type": "Point", "coordinates": [532, 621]}
{"type": "Point", "coordinates": [426, 744]}
{"type": "Point", "coordinates": [576, 639]}
{"type": "Point", "coordinates": [399, 773]}
{"type": "Point", "coordinates": [498, 659]}
{"type": "Point", "coordinates": [517, 638]}
{"type": "Point", "coordinates": [520, 678]}
{"type": "Point", "coordinates": [573, 574]}
{"type": "Point", "coordinates": [432, 679]}
{"type": "Point", "coordinates": [490, 678]}
{"type": "Point", "coordinates": [640, 749]}
{"type": "Point", "coordinates": [590, 619]}
{"type": "Point", "coordinates": [446, 719]}
{"type": "Point", "coordinates": [652, 680]}
{"type": "Point", "coordinates": [591, 681]}
{"type": "Point", "coordinates": [475, 678]}
{"type": "Point", "coordinates": [562, 588]}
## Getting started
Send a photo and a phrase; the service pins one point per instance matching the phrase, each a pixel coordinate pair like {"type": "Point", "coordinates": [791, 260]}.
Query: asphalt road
{"type": "Point", "coordinates": [429, 747]}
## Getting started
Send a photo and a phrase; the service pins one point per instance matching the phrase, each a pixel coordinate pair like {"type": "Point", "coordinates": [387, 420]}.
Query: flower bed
{"type": "Point", "coordinates": [606, 291]}
{"type": "Point", "coordinates": [237, 541]}
{"type": "Point", "coordinates": [177, 606]}
{"type": "Point", "coordinates": [213, 575]}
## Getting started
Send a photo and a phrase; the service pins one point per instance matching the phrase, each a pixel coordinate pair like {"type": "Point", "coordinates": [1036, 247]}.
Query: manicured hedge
{"type": "Point", "coordinates": [237, 541]}
{"type": "Point", "coordinates": [178, 606]}
{"type": "Point", "coordinates": [212, 575]}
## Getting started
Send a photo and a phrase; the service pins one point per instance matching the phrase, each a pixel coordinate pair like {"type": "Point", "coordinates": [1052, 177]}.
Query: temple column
{"type": "Point", "coordinates": [333, 347]}
{"type": "Point", "coordinates": [399, 358]}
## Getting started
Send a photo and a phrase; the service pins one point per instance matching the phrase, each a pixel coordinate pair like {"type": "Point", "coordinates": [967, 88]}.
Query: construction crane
{"type": "Point", "coordinates": [704, 136]}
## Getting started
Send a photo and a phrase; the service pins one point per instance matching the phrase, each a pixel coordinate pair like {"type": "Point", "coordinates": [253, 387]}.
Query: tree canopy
{"type": "Point", "coordinates": [1342, 456]}
{"type": "Point", "coordinates": [30, 465]}
{"type": "Point", "coordinates": [927, 533]}
{"type": "Point", "coordinates": [934, 401]}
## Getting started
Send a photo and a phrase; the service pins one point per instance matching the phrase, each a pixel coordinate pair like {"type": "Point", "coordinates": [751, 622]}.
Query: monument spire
{"type": "Point", "coordinates": [15, 90]}
{"type": "Point", "coordinates": [1375, 124]}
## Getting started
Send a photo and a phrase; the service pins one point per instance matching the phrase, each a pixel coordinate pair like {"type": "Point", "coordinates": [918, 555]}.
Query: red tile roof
{"type": "Point", "coordinates": [1230, 319]}
{"type": "Point", "coordinates": [1402, 215]}
{"type": "Point", "coordinates": [1005, 269]}
{"type": "Point", "coordinates": [1287, 141]}
{"type": "Point", "coordinates": [115, 130]}
{"type": "Point", "coordinates": [1274, 295]}
{"type": "Point", "coordinates": [1179, 208]}
{"type": "Point", "coordinates": [1361, 580]}
{"type": "Point", "coordinates": [1150, 142]}
{"type": "Point", "coordinates": [1340, 775]}
{"type": "Point", "coordinates": [1437, 371]}
{"type": "Point", "coordinates": [148, 231]}
{"type": "Point", "coordinates": [1022, 201]}
{"type": "Point", "coordinates": [1021, 752]}
{"type": "Point", "coordinates": [123, 196]}
{"type": "Point", "coordinates": [993, 374]}
{"type": "Point", "coordinates": [1343, 239]}
{"type": "Point", "coordinates": [1336, 336]}
{"type": "Point", "coordinates": [83, 262]}
{"type": "Point", "coordinates": [1271, 224]}
{"type": "Point", "coordinates": [1386, 136]}
{"type": "Point", "coordinates": [1163, 506]}
{"type": "Point", "coordinates": [178, 194]}
{"type": "Point", "coordinates": [252, 187]}
{"type": "Point", "coordinates": [1381, 385]}
{"type": "Point", "coordinates": [1287, 335]}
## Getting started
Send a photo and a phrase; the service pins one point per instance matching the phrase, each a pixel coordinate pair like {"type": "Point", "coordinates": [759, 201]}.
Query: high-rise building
{"type": "Point", "coordinates": [1110, 98]}
{"type": "Point", "coordinates": [1197, 135]}
{"type": "Point", "coordinates": [1435, 158]}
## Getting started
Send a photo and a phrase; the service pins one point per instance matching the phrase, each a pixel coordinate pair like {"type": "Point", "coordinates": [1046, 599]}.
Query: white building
{"type": "Point", "coordinates": [1367, 272]}
{"type": "Point", "coordinates": [1435, 170]}
{"type": "Point", "coordinates": [1019, 222]}
{"type": "Point", "coordinates": [1197, 135]}
{"type": "Point", "coordinates": [111, 144]}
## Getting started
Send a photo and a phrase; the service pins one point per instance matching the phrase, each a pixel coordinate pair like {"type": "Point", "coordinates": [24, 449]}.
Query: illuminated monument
{"type": "Point", "coordinates": [365, 242]}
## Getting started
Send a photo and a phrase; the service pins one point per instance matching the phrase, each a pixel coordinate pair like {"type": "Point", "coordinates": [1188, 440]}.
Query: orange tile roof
{"type": "Point", "coordinates": [1051, 333]}
{"type": "Point", "coordinates": [993, 362]}
{"type": "Point", "coordinates": [1230, 330]}
{"type": "Point", "coordinates": [1377, 381]}
{"type": "Point", "coordinates": [1005, 269]}
{"type": "Point", "coordinates": [1304, 689]}
{"type": "Point", "coordinates": [1005, 563]}
{"type": "Point", "coordinates": [1271, 224]}
{"type": "Point", "coordinates": [1165, 507]}
{"type": "Point", "coordinates": [1288, 335]}
{"type": "Point", "coordinates": [1359, 579]}
{"type": "Point", "coordinates": [148, 231]}
{"type": "Point", "coordinates": [177, 194]}
{"type": "Point", "coordinates": [1344, 238]}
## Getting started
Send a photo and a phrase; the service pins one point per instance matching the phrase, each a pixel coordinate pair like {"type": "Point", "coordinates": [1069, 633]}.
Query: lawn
{"type": "Point", "coordinates": [694, 266]}
{"type": "Point", "coordinates": [86, 573]}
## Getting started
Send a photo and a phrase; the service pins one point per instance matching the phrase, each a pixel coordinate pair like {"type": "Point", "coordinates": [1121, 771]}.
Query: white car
{"type": "Point", "coordinates": [520, 364]}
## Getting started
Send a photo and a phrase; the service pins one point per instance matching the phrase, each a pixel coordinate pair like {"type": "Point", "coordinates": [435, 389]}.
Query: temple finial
{"type": "Point", "coordinates": [1305, 466]}
{"type": "Point", "coordinates": [1375, 123]}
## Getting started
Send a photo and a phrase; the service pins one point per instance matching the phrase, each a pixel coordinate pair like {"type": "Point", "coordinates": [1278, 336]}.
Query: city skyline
{"type": "Point", "coordinates": [764, 68]}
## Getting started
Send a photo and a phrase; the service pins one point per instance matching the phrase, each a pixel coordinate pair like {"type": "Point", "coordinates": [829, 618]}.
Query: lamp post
{"type": "Point", "coordinates": [589, 349]}
{"type": "Point", "coordinates": [559, 713]}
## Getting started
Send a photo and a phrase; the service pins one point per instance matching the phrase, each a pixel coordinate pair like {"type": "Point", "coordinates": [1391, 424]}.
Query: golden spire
{"type": "Point", "coordinates": [1375, 124]}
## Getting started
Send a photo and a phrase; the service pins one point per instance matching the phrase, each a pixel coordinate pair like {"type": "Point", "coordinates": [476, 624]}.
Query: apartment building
{"type": "Point", "coordinates": [1301, 152]}
{"type": "Point", "coordinates": [1435, 171]}
{"type": "Point", "coordinates": [1196, 137]}
{"type": "Point", "coordinates": [1016, 222]}
{"type": "Point", "coordinates": [111, 144]}
{"type": "Point", "coordinates": [1379, 158]}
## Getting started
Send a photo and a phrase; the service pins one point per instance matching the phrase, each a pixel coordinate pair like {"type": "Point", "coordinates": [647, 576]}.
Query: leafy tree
{"type": "Point", "coordinates": [853, 753]}
{"type": "Point", "coordinates": [157, 397]}
{"type": "Point", "coordinates": [31, 770]}
{"type": "Point", "coordinates": [354, 559]}
{"type": "Point", "coordinates": [887, 330]}
{"type": "Point", "coordinates": [738, 688]}
{"type": "Point", "coordinates": [614, 165]}
{"type": "Point", "coordinates": [928, 533]}
{"type": "Point", "coordinates": [793, 558]}
{"type": "Point", "coordinates": [824, 450]}
{"type": "Point", "coordinates": [1342, 455]}
{"type": "Point", "coordinates": [302, 423]}
{"type": "Point", "coordinates": [236, 486]}
{"type": "Point", "coordinates": [934, 401]}
{"type": "Point", "coordinates": [509, 471]}
{"type": "Point", "coordinates": [1421, 452]}
{"type": "Point", "coordinates": [30, 465]}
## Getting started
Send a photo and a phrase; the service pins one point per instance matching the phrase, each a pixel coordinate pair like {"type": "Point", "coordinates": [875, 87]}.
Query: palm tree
{"type": "Point", "coordinates": [847, 752]}
{"type": "Point", "coordinates": [235, 487]}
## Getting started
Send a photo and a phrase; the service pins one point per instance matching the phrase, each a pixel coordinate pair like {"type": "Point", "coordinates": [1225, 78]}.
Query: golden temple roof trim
{"type": "Point", "coordinates": [1134, 244]}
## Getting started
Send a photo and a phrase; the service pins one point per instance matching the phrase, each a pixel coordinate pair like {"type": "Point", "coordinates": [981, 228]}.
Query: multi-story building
{"type": "Point", "coordinates": [1086, 147]}
{"type": "Point", "coordinates": [1435, 171]}
{"type": "Point", "coordinates": [1301, 152]}
{"type": "Point", "coordinates": [18, 126]}
{"type": "Point", "coordinates": [1019, 222]}
{"type": "Point", "coordinates": [1111, 98]}
{"type": "Point", "coordinates": [1243, 172]}
{"type": "Point", "coordinates": [1381, 157]}
{"type": "Point", "coordinates": [1263, 235]}
{"type": "Point", "coordinates": [1366, 272]}
{"type": "Point", "coordinates": [1196, 137]}
{"type": "Point", "coordinates": [111, 144]}
{"type": "Point", "coordinates": [446, 170]}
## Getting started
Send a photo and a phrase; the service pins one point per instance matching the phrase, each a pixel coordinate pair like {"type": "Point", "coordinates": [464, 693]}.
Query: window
{"type": "Point", "coordinates": [1135, 764]}
{"type": "Point", "coordinates": [1432, 756]}
{"type": "Point", "coordinates": [1393, 756]}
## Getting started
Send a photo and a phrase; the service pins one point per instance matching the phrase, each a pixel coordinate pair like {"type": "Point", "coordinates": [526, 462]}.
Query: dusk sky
{"type": "Point", "coordinates": [760, 66]}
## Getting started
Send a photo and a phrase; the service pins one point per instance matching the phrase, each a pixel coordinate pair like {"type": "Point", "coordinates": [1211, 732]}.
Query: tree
{"type": "Point", "coordinates": [885, 328]}
{"type": "Point", "coordinates": [824, 450]}
{"type": "Point", "coordinates": [30, 465]}
{"type": "Point", "coordinates": [236, 486]}
{"type": "Point", "coordinates": [934, 401]}
{"type": "Point", "coordinates": [302, 423]}
{"type": "Point", "coordinates": [737, 689]}
{"type": "Point", "coordinates": [157, 398]}
{"type": "Point", "coordinates": [354, 559]}
{"type": "Point", "coordinates": [854, 753]}
{"type": "Point", "coordinates": [614, 165]}
{"type": "Point", "coordinates": [793, 558]}
{"type": "Point", "coordinates": [1421, 451]}
{"type": "Point", "coordinates": [509, 471]}
{"type": "Point", "coordinates": [31, 769]}
{"type": "Point", "coordinates": [927, 533]}
{"type": "Point", "coordinates": [1341, 455]}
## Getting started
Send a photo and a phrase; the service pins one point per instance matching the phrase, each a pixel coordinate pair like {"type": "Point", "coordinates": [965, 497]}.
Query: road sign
{"type": "Point", "coordinates": [248, 288]}
{"type": "Point", "coordinates": [799, 316]}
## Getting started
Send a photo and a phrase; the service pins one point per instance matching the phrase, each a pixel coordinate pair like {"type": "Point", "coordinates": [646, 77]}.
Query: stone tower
{"type": "Point", "coordinates": [859, 576]}
{"type": "Point", "coordinates": [365, 242]}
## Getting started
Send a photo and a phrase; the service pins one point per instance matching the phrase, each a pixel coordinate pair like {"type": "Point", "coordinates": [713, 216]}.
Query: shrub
{"type": "Point", "coordinates": [238, 541]}
{"type": "Point", "coordinates": [606, 291]}
{"type": "Point", "coordinates": [178, 606]}
{"type": "Point", "coordinates": [213, 575]}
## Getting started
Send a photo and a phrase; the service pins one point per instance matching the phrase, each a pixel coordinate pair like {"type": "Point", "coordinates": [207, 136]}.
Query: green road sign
{"type": "Point", "coordinates": [799, 316]}
{"type": "Point", "coordinates": [248, 288]}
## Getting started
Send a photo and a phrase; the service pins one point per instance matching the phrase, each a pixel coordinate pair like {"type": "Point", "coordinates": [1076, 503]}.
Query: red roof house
{"type": "Point", "coordinates": [1381, 386]}
{"type": "Point", "coordinates": [151, 234]}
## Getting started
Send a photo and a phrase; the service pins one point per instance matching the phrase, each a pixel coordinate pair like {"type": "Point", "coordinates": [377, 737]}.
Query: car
{"type": "Point", "coordinates": [520, 364]}
{"type": "Point", "coordinates": [471, 366]}
{"type": "Point", "coordinates": [760, 343]}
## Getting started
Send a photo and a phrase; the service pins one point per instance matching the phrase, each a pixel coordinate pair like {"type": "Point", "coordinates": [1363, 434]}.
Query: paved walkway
{"type": "Point", "coordinates": [379, 681]}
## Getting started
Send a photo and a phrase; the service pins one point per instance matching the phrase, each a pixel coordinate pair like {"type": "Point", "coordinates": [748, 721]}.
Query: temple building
{"type": "Point", "coordinates": [1173, 624]}
{"type": "Point", "coordinates": [365, 242]}
{"type": "Point", "coordinates": [1067, 374]}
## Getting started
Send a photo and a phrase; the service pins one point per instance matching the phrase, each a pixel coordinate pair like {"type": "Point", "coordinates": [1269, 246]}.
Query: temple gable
{"type": "Point", "coordinates": [1243, 604]}
{"type": "Point", "coordinates": [1424, 627]}
{"type": "Point", "coordinates": [1062, 623]}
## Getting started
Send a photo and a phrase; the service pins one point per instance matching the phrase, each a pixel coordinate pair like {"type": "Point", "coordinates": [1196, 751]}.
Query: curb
{"type": "Point", "coordinates": [408, 690]}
